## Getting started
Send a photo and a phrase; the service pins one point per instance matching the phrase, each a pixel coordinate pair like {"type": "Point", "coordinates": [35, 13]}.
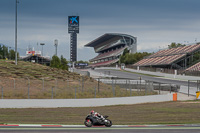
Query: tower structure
{"type": "Point", "coordinates": [56, 45]}
{"type": "Point", "coordinates": [73, 29]}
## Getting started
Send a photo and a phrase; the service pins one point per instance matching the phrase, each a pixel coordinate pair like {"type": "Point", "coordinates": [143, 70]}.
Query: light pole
{"type": "Point", "coordinates": [42, 50]}
{"type": "Point", "coordinates": [56, 45]}
{"type": "Point", "coordinates": [42, 44]}
{"type": "Point", "coordinates": [16, 33]}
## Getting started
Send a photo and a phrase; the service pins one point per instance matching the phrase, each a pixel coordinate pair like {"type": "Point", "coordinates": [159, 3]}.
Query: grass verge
{"type": "Point", "coordinates": [43, 82]}
{"type": "Point", "coordinates": [137, 73]}
{"type": "Point", "coordinates": [151, 113]}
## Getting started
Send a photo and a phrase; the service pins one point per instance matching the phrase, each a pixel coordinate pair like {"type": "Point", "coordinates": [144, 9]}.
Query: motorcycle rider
{"type": "Point", "coordinates": [97, 115]}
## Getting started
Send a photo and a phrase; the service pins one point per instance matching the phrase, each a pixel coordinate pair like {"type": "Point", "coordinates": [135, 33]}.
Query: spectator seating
{"type": "Point", "coordinates": [164, 60]}
{"type": "Point", "coordinates": [195, 67]}
{"type": "Point", "coordinates": [175, 51]}
{"type": "Point", "coordinates": [108, 54]}
{"type": "Point", "coordinates": [104, 63]}
{"type": "Point", "coordinates": [168, 56]}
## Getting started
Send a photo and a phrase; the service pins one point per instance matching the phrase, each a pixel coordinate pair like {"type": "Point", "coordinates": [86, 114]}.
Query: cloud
{"type": "Point", "coordinates": [155, 23]}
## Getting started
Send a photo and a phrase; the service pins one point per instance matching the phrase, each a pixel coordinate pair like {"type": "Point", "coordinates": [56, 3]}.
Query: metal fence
{"type": "Point", "coordinates": [140, 85]}
{"type": "Point", "coordinates": [192, 87]}
{"type": "Point", "coordinates": [84, 87]}
{"type": "Point", "coordinates": [43, 88]}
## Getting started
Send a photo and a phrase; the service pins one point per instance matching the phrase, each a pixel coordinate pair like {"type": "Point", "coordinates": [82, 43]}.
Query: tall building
{"type": "Point", "coordinates": [73, 29]}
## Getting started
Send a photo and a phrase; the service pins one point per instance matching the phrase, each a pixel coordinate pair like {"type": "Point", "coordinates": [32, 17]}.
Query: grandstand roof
{"type": "Point", "coordinates": [175, 51]}
{"type": "Point", "coordinates": [104, 38]}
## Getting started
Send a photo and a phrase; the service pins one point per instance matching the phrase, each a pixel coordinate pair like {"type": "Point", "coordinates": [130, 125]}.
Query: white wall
{"type": "Point", "coordinates": [54, 103]}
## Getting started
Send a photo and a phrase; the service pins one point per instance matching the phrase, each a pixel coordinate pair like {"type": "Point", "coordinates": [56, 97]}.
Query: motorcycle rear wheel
{"type": "Point", "coordinates": [88, 123]}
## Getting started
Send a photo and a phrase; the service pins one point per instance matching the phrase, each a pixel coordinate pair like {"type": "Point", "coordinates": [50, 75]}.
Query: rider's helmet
{"type": "Point", "coordinates": [92, 112]}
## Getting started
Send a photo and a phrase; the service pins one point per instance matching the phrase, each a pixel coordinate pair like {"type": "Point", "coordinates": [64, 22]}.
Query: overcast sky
{"type": "Point", "coordinates": [155, 23]}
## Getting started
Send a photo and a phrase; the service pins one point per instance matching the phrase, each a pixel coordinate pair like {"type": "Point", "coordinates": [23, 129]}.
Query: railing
{"type": "Point", "coordinates": [83, 87]}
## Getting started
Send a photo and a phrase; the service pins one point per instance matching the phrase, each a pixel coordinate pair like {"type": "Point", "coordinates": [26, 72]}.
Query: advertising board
{"type": "Point", "coordinates": [73, 24]}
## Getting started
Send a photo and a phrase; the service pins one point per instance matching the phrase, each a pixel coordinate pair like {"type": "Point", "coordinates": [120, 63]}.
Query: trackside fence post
{"type": "Point", "coordinates": [188, 87]}
{"type": "Point", "coordinates": [113, 89]}
{"type": "Point", "coordinates": [140, 85]}
{"type": "Point", "coordinates": [68, 83]}
{"type": "Point", "coordinates": [43, 84]}
{"type": "Point", "coordinates": [159, 88]}
{"type": "Point", "coordinates": [28, 87]}
{"type": "Point", "coordinates": [79, 84]}
{"type": "Point", "coordinates": [82, 83]}
{"type": "Point", "coordinates": [129, 86]}
{"type": "Point", "coordinates": [56, 85]}
{"type": "Point", "coordinates": [75, 92]}
{"type": "Point", "coordinates": [2, 92]}
{"type": "Point", "coordinates": [115, 83]}
{"type": "Point", "coordinates": [130, 89]}
{"type": "Point", "coordinates": [198, 85]}
{"type": "Point", "coordinates": [98, 84]}
{"type": "Point", "coordinates": [126, 86]}
{"type": "Point", "coordinates": [170, 88]}
{"type": "Point", "coordinates": [95, 92]}
{"type": "Point", "coordinates": [145, 87]}
{"type": "Point", "coordinates": [14, 83]}
{"type": "Point", "coordinates": [52, 92]}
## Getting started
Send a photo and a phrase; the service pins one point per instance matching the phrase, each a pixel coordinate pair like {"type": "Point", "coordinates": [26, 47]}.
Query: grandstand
{"type": "Point", "coordinates": [177, 58]}
{"type": "Point", "coordinates": [195, 67]}
{"type": "Point", "coordinates": [110, 47]}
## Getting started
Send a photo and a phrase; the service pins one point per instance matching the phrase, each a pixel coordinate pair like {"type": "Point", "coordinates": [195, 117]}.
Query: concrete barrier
{"type": "Point", "coordinates": [54, 103]}
{"type": "Point", "coordinates": [85, 73]}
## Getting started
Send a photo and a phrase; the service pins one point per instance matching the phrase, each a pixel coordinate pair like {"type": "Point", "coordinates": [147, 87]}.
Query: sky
{"type": "Point", "coordinates": [155, 23]}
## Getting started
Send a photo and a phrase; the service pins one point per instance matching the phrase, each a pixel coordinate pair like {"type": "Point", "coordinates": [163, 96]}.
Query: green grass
{"type": "Point", "coordinates": [65, 87]}
{"type": "Point", "coordinates": [151, 113]}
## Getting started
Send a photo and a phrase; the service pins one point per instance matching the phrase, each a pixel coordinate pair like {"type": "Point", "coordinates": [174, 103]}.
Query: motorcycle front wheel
{"type": "Point", "coordinates": [108, 123]}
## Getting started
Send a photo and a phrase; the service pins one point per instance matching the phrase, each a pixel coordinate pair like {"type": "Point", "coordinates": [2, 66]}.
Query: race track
{"type": "Point", "coordinates": [134, 129]}
{"type": "Point", "coordinates": [123, 74]}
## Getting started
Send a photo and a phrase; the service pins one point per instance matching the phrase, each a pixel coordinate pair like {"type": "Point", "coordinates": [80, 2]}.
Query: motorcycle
{"type": "Point", "coordinates": [94, 121]}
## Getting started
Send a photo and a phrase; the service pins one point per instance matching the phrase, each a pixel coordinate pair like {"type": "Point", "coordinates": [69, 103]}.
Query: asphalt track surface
{"type": "Point", "coordinates": [129, 75]}
{"type": "Point", "coordinates": [175, 129]}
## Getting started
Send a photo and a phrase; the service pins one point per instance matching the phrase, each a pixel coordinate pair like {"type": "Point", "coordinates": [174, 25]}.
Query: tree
{"type": "Point", "coordinates": [11, 54]}
{"type": "Point", "coordinates": [81, 61]}
{"type": "Point", "coordinates": [55, 62]}
{"type": "Point", "coordinates": [175, 45]}
{"type": "Point", "coordinates": [123, 56]}
{"type": "Point", "coordinates": [60, 63]}
{"type": "Point", "coordinates": [64, 63]}
{"type": "Point", "coordinates": [130, 58]}
{"type": "Point", "coordinates": [1, 52]}
{"type": "Point", "coordinates": [5, 52]}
